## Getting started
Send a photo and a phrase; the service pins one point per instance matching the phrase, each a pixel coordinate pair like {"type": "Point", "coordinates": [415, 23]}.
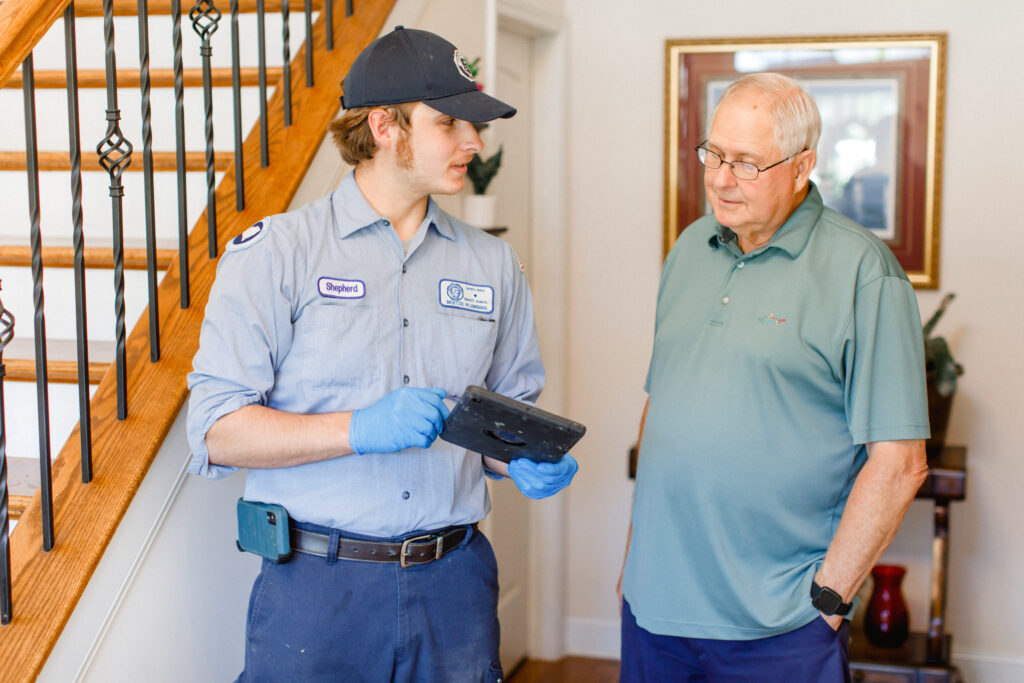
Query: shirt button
{"type": "Point", "coordinates": [405, 495]}
{"type": "Point", "coordinates": [405, 322]}
{"type": "Point", "coordinates": [740, 264]}
{"type": "Point", "coordinates": [405, 379]}
{"type": "Point", "coordinates": [404, 269]}
{"type": "Point", "coordinates": [387, 222]}
{"type": "Point", "coordinates": [725, 300]}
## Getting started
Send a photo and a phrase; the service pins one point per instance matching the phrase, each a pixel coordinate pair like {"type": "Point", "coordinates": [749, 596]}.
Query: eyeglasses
{"type": "Point", "coordinates": [740, 169]}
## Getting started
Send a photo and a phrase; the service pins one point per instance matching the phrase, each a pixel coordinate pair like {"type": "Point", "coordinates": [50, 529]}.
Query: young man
{"type": "Point", "coordinates": [332, 337]}
{"type": "Point", "coordinates": [783, 435]}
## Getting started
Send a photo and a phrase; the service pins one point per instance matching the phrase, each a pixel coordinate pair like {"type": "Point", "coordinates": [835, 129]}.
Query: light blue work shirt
{"type": "Point", "coordinates": [771, 371]}
{"type": "Point", "coordinates": [320, 310]}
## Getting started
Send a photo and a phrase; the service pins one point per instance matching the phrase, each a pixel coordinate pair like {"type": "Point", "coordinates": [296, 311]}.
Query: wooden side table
{"type": "Point", "coordinates": [924, 658]}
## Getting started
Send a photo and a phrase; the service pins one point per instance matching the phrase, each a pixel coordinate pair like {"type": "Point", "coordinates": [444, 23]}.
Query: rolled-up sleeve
{"type": "Point", "coordinates": [246, 331]}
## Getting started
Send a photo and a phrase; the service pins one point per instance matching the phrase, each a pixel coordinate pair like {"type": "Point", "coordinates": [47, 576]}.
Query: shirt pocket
{"type": "Point", "coordinates": [464, 351]}
{"type": "Point", "coordinates": [343, 345]}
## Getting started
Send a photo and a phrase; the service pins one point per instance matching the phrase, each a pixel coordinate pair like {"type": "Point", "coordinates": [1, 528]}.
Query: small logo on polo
{"type": "Point", "coordinates": [463, 66]}
{"type": "Point", "coordinates": [771, 318]}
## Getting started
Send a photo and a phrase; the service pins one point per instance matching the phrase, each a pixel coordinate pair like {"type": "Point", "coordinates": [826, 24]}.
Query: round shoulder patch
{"type": "Point", "coordinates": [251, 236]}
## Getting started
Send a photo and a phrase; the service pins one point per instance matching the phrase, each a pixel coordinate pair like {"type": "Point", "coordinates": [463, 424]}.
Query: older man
{"type": "Point", "coordinates": [782, 441]}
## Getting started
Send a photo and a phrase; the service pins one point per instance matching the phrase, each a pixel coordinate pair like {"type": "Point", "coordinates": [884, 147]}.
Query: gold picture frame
{"type": "Point", "coordinates": [882, 99]}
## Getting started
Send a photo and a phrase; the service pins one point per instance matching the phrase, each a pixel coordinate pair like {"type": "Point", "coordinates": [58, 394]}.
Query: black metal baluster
{"type": "Point", "coordinates": [6, 610]}
{"type": "Point", "coordinates": [42, 382]}
{"type": "Point", "coordinates": [348, 8]}
{"type": "Point", "coordinates": [204, 16]}
{"type": "Point", "coordinates": [236, 91]}
{"type": "Point", "coordinates": [309, 43]}
{"type": "Point", "coordinates": [81, 335]}
{"type": "Point", "coordinates": [329, 11]}
{"type": "Point", "coordinates": [147, 173]}
{"type": "Point", "coordinates": [115, 154]}
{"type": "Point", "coordinates": [261, 30]}
{"type": "Point", "coordinates": [179, 147]}
{"type": "Point", "coordinates": [286, 77]}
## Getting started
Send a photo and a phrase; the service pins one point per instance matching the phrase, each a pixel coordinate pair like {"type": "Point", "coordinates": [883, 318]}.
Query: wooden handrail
{"type": "Point", "coordinates": [47, 586]}
{"type": "Point", "coordinates": [93, 257]}
{"type": "Point", "coordinates": [162, 161]}
{"type": "Point", "coordinates": [22, 24]}
{"type": "Point", "coordinates": [158, 78]}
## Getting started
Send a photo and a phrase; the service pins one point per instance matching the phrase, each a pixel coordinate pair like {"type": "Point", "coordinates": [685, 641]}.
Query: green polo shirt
{"type": "Point", "coordinates": [771, 372]}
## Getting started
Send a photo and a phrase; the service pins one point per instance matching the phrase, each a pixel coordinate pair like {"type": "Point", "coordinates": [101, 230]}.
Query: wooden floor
{"type": "Point", "coordinates": [567, 670]}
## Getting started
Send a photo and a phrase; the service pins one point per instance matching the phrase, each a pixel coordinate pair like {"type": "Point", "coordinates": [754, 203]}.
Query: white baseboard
{"type": "Point", "coordinates": [592, 637]}
{"type": "Point", "coordinates": [985, 668]}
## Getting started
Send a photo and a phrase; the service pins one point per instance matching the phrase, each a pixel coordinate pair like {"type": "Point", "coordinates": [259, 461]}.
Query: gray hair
{"type": "Point", "coordinates": [797, 120]}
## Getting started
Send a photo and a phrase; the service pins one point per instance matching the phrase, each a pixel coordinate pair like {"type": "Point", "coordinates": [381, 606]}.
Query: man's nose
{"type": "Point", "coordinates": [472, 142]}
{"type": "Point", "coordinates": [722, 176]}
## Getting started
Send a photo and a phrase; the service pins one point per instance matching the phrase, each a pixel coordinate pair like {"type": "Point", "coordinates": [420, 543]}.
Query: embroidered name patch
{"type": "Point", "coordinates": [341, 289]}
{"type": "Point", "coordinates": [251, 236]}
{"type": "Point", "coordinates": [462, 295]}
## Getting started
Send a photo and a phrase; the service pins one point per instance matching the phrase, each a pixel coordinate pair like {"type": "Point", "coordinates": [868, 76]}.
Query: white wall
{"type": "Point", "coordinates": [616, 102]}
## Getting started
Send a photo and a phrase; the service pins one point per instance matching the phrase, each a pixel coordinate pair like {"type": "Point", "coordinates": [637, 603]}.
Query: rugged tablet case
{"type": "Point", "coordinates": [505, 429]}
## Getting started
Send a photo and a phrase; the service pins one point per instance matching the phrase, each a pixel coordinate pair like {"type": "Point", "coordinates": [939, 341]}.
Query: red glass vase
{"type": "Point", "coordinates": [886, 623]}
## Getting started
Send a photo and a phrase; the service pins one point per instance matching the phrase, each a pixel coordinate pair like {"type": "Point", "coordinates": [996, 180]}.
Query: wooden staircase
{"type": "Point", "coordinates": [47, 585]}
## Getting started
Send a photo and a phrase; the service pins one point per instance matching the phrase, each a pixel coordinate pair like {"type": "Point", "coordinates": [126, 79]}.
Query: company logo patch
{"type": "Point", "coordinates": [467, 297]}
{"type": "Point", "coordinates": [771, 318]}
{"type": "Point", "coordinates": [251, 236]}
{"type": "Point", "coordinates": [463, 66]}
{"type": "Point", "coordinates": [341, 289]}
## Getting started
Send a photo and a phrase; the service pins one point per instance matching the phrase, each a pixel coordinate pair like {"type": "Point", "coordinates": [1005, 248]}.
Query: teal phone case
{"type": "Point", "coordinates": [263, 530]}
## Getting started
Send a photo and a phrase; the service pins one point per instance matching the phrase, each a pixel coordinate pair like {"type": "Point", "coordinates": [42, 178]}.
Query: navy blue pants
{"type": "Point", "coordinates": [310, 620]}
{"type": "Point", "coordinates": [811, 654]}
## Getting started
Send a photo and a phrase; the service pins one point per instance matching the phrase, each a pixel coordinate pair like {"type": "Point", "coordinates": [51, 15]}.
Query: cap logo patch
{"type": "Point", "coordinates": [463, 66]}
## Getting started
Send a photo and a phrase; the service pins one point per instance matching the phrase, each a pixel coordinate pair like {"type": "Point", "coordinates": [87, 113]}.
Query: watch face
{"type": "Point", "coordinates": [828, 601]}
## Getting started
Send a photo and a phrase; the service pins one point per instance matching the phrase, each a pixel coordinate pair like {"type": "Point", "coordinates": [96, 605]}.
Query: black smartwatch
{"type": "Point", "coordinates": [828, 601]}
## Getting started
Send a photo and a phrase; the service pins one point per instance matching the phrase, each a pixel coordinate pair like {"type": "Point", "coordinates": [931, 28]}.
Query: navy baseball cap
{"type": "Point", "coordinates": [409, 65]}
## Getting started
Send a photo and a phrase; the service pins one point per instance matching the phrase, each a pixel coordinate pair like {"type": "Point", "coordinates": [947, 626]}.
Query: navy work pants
{"type": "Point", "coordinates": [311, 620]}
{"type": "Point", "coordinates": [811, 654]}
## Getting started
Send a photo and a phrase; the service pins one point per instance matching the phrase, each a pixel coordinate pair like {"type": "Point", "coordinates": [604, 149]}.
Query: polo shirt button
{"type": "Point", "coordinates": [725, 300]}
{"type": "Point", "coordinates": [405, 379]}
{"type": "Point", "coordinates": [740, 264]}
{"type": "Point", "coordinates": [405, 495]}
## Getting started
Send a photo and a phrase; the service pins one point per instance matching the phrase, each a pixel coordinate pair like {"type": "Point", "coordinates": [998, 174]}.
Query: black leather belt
{"type": "Point", "coordinates": [410, 551]}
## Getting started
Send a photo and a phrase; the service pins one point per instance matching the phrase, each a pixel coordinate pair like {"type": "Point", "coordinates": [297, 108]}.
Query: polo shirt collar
{"type": "Point", "coordinates": [792, 236]}
{"type": "Point", "coordinates": [353, 213]}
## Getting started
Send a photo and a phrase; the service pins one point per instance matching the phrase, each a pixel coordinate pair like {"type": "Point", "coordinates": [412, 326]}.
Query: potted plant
{"type": "Point", "coordinates": [479, 209]}
{"type": "Point", "coordinates": [941, 373]}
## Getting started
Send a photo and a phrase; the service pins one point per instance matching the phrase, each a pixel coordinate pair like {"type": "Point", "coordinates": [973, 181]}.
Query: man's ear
{"type": "Point", "coordinates": [805, 162]}
{"type": "Point", "coordinates": [383, 127]}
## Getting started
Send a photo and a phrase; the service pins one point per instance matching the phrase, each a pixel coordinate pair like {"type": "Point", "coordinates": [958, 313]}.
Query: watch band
{"type": "Point", "coordinates": [828, 601]}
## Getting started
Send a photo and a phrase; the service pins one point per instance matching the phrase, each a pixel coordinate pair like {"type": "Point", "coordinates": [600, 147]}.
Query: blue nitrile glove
{"type": "Point", "coordinates": [542, 479]}
{"type": "Point", "coordinates": [410, 417]}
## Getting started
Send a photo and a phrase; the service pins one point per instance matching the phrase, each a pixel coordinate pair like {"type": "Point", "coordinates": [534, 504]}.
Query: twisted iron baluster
{"type": "Point", "coordinates": [236, 91]}
{"type": "Point", "coordinates": [6, 333]}
{"type": "Point", "coordinates": [204, 16]}
{"type": "Point", "coordinates": [115, 154]}
{"type": "Point", "coordinates": [309, 43]}
{"type": "Point", "coordinates": [179, 147]}
{"type": "Point", "coordinates": [329, 11]}
{"type": "Point", "coordinates": [147, 173]}
{"type": "Point", "coordinates": [261, 30]}
{"type": "Point", "coordinates": [42, 382]}
{"type": "Point", "coordinates": [286, 77]}
{"type": "Point", "coordinates": [82, 338]}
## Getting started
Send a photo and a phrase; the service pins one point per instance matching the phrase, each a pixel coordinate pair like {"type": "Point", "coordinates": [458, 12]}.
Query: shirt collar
{"type": "Point", "coordinates": [792, 236]}
{"type": "Point", "coordinates": [353, 213]}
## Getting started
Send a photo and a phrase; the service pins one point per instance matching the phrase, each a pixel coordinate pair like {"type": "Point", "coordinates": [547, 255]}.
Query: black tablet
{"type": "Point", "coordinates": [505, 429]}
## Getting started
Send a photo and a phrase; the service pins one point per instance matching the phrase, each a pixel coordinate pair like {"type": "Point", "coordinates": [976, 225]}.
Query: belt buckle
{"type": "Point", "coordinates": [408, 541]}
